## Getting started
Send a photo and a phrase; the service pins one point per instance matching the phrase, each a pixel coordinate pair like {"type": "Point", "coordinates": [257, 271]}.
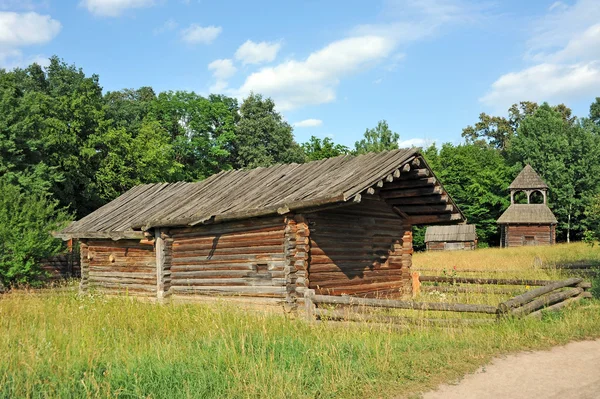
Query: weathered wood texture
{"type": "Point", "coordinates": [62, 266]}
{"type": "Point", "coordinates": [451, 246]}
{"type": "Point", "coordinates": [360, 249]}
{"type": "Point", "coordinates": [243, 258]}
{"type": "Point", "coordinates": [523, 235]}
{"type": "Point", "coordinates": [124, 266]}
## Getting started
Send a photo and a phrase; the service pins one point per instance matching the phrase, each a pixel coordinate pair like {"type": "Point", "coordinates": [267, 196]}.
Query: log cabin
{"type": "Point", "coordinates": [532, 222]}
{"type": "Point", "coordinates": [462, 237]}
{"type": "Point", "coordinates": [339, 226]}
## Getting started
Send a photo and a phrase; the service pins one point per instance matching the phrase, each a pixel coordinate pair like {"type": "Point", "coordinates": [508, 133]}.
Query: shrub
{"type": "Point", "coordinates": [28, 215]}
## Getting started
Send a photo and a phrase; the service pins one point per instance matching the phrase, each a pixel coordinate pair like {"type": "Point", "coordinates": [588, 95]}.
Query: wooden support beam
{"type": "Point", "coordinates": [380, 183]}
{"type": "Point", "coordinates": [426, 209]}
{"type": "Point", "coordinates": [389, 178]}
{"type": "Point", "coordinates": [416, 162]}
{"type": "Point", "coordinates": [413, 192]}
{"type": "Point", "coordinates": [400, 184]}
{"type": "Point", "coordinates": [370, 191]}
{"type": "Point", "coordinates": [432, 219]}
{"type": "Point", "coordinates": [396, 173]}
{"type": "Point", "coordinates": [160, 251]}
{"type": "Point", "coordinates": [416, 174]}
{"type": "Point", "coordinates": [429, 199]}
{"type": "Point", "coordinates": [406, 168]}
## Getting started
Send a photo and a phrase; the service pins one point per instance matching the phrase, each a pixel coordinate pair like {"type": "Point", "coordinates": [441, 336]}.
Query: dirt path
{"type": "Point", "coordinates": [571, 371]}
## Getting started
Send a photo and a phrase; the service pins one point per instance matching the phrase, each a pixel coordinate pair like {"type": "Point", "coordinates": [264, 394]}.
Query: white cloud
{"type": "Point", "coordinates": [113, 8]}
{"type": "Point", "coordinates": [564, 57]}
{"type": "Point", "coordinates": [222, 69]}
{"type": "Point", "coordinates": [544, 82]}
{"type": "Point", "coordinates": [416, 142]}
{"type": "Point", "coordinates": [18, 30]}
{"type": "Point", "coordinates": [309, 123]}
{"type": "Point", "coordinates": [200, 34]}
{"type": "Point", "coordinates": [312, 81]}
{"type": "Point", "coordinates": [169, 25]}
{"type": "Point", "coordinates": [24, 29]}
{"type": "Point", "coordinates": [257, 53]}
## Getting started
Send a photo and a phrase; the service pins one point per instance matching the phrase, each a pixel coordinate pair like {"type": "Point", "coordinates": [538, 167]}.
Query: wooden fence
{"type": "Point", "coordinates": [548, 296]}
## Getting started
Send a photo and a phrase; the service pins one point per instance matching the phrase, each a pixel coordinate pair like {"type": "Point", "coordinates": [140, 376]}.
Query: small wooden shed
{"type": "Point", "coordinates": [530, 223]}
{"type": "Point", "coordinates": [462, 237]}
{"type": "Point", "coordinates": [339, 226]}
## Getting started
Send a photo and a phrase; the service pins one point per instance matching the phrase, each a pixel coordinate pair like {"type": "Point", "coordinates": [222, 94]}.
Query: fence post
{"type": "Point", "coordinates": [309, 304]}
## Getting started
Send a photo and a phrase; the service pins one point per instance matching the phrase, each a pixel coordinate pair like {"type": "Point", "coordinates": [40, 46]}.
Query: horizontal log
{"type": "Point", "coordinates": [413, 192]}
{"type": "Point", "coordinates": [547, 300]}
{"type": "Point", "coordinates": [430, 199]}
{"type": "Point", "coordinates": [415, 174]}
{"type": "Point", "coordinates": [529, 296]}
{"type": "Point", "coordinates": [395, 304]}
{"type": "Point", "coordinates": [121, 274]}
{"type": "Point", "coordinates": [124, 287]}
{"type": "Point", "coordinates": [238, 258]}
{"type": "Point", "coordinates": [193, 250]}
{"type": "Point", "coordinates": [223, 274]}
{"type": "Point", "coordinates": [350, 267]}
{"type": "Point", "coordinates": [372, 289]}
{"type": "Point", "coordinates": [476, 280]}
{"type": "Point", "coordinates": [202, 282]}
{"type": "Point", "coordinates": [123, 280]}
{"type": "Point", "coordinates": [468, 289]}
{"type": "Point", "coordinates": [341, 314]}
{"type": "Point", "coordinates": [426, 209]}
{"type": "Point", "coordinates": [429, 219]}
{"type": "Point", "coordinates": [249, 265]}
{"type": "Point", "coordinates": [239, 237]}
{"type": "Point", "coordinates": [229, 290]}
{"type": "Point", "coordinates": [403, 184]}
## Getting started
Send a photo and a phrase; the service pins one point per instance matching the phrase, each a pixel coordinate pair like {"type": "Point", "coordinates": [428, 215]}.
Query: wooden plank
{"type": "Point", "coordinates": [544, 301]}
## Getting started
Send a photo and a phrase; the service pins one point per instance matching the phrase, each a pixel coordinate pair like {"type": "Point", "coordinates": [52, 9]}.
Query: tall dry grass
{"type": "Point", "coordinates": [59, 344]}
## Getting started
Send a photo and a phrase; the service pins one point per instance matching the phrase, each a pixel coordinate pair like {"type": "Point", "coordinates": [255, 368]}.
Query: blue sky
{"type": "Point", "coordinates": [333, 67]}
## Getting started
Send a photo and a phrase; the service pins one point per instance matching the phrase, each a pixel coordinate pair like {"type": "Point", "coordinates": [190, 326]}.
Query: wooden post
{"type": "Point", "coordinates": [159, 248]}
{"type": "Point", "coordinates": [84, 264]}
{"type": "Point", "coordinates": [309, 304]}
{"type": "Point", "coordinates": [416, 284]}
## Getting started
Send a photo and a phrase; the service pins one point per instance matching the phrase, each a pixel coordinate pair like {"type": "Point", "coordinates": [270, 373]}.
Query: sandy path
{"type": "Point", "coordinates": [571, 371]}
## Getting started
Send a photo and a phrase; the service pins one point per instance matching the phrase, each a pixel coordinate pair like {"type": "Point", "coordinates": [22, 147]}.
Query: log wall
{"type": "Point", "coordinates": [523, 235]}
{"type": "Point", "coordinates": [239, 258]}
{"type": "Point", "coordinates": [116, 267]}
{"type": "Point", "coordinates": [453, 246]}
{"type": "Point", "coordinates": [364, 249]}
{"type": "Point", "coordinates": [62, 266]}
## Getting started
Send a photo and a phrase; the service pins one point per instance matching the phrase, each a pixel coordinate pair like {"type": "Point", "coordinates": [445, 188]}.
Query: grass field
{"type": "Point", "coordinates": [62, 345]}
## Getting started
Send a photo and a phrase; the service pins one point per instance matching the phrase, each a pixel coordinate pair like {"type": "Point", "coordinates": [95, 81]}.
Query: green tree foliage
{"type": "Point", "coordinates": [27, 217]}
{"type": "Point", "coordinates": [477, 177]}
{"type": "Point", "coordinates": [378, 139]}
{"type": "Point", "coordinates": [263, 138]}
{"type": "Point", "coordinates": [566, 153]}
{"type": "Point", "coordinates": [316, 149]}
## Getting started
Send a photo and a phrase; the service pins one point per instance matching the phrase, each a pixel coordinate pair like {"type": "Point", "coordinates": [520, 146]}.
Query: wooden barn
{"type": "Point", "coordinates": [530, 223]}
{"type": "Point", "coordinates": [462, 237]}
{"type": "Point", "coordinates": [339, 226]}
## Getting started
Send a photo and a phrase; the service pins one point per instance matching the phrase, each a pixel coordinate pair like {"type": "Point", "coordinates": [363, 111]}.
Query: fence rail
{"type": "Point", "coordinates": [548, 296]}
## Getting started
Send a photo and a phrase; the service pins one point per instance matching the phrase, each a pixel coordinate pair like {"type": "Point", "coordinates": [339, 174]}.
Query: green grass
{"type": "Point", "coordinates": [58, 344]}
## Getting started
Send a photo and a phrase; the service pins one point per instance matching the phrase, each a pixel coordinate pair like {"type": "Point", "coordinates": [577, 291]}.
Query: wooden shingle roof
{"type": "Point", "coordinates": [461, 232]}
{"type": "Point", "coordinates": [527, 214]}
{"type": "Point", "coordinates": [279, 189]}
{"type": "Point", "coordinates": [528, 179]}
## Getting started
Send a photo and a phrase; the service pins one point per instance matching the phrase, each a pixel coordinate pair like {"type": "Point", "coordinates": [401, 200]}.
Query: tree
{"type": "Point", "coordinates": [592, 233]}
{"type": "Point", "coordinates": [201, 130]}
{"type": "Point", "coordinates": [316, 149]}
{"type": "Point", "coordinates": [497, 131]}
{"type": "Point", "coordinates": [566, 153]}
{"type": "Point", "coordinates": [262, 137]}
{"type": "Point", "coordinates": [477, 177]}
{"type": "Point", "coordinates": [595, 112]}
{"type": "Point", "coordinates": [27, 217]}
{"type": "Point", "coordinates": [381, 138]}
